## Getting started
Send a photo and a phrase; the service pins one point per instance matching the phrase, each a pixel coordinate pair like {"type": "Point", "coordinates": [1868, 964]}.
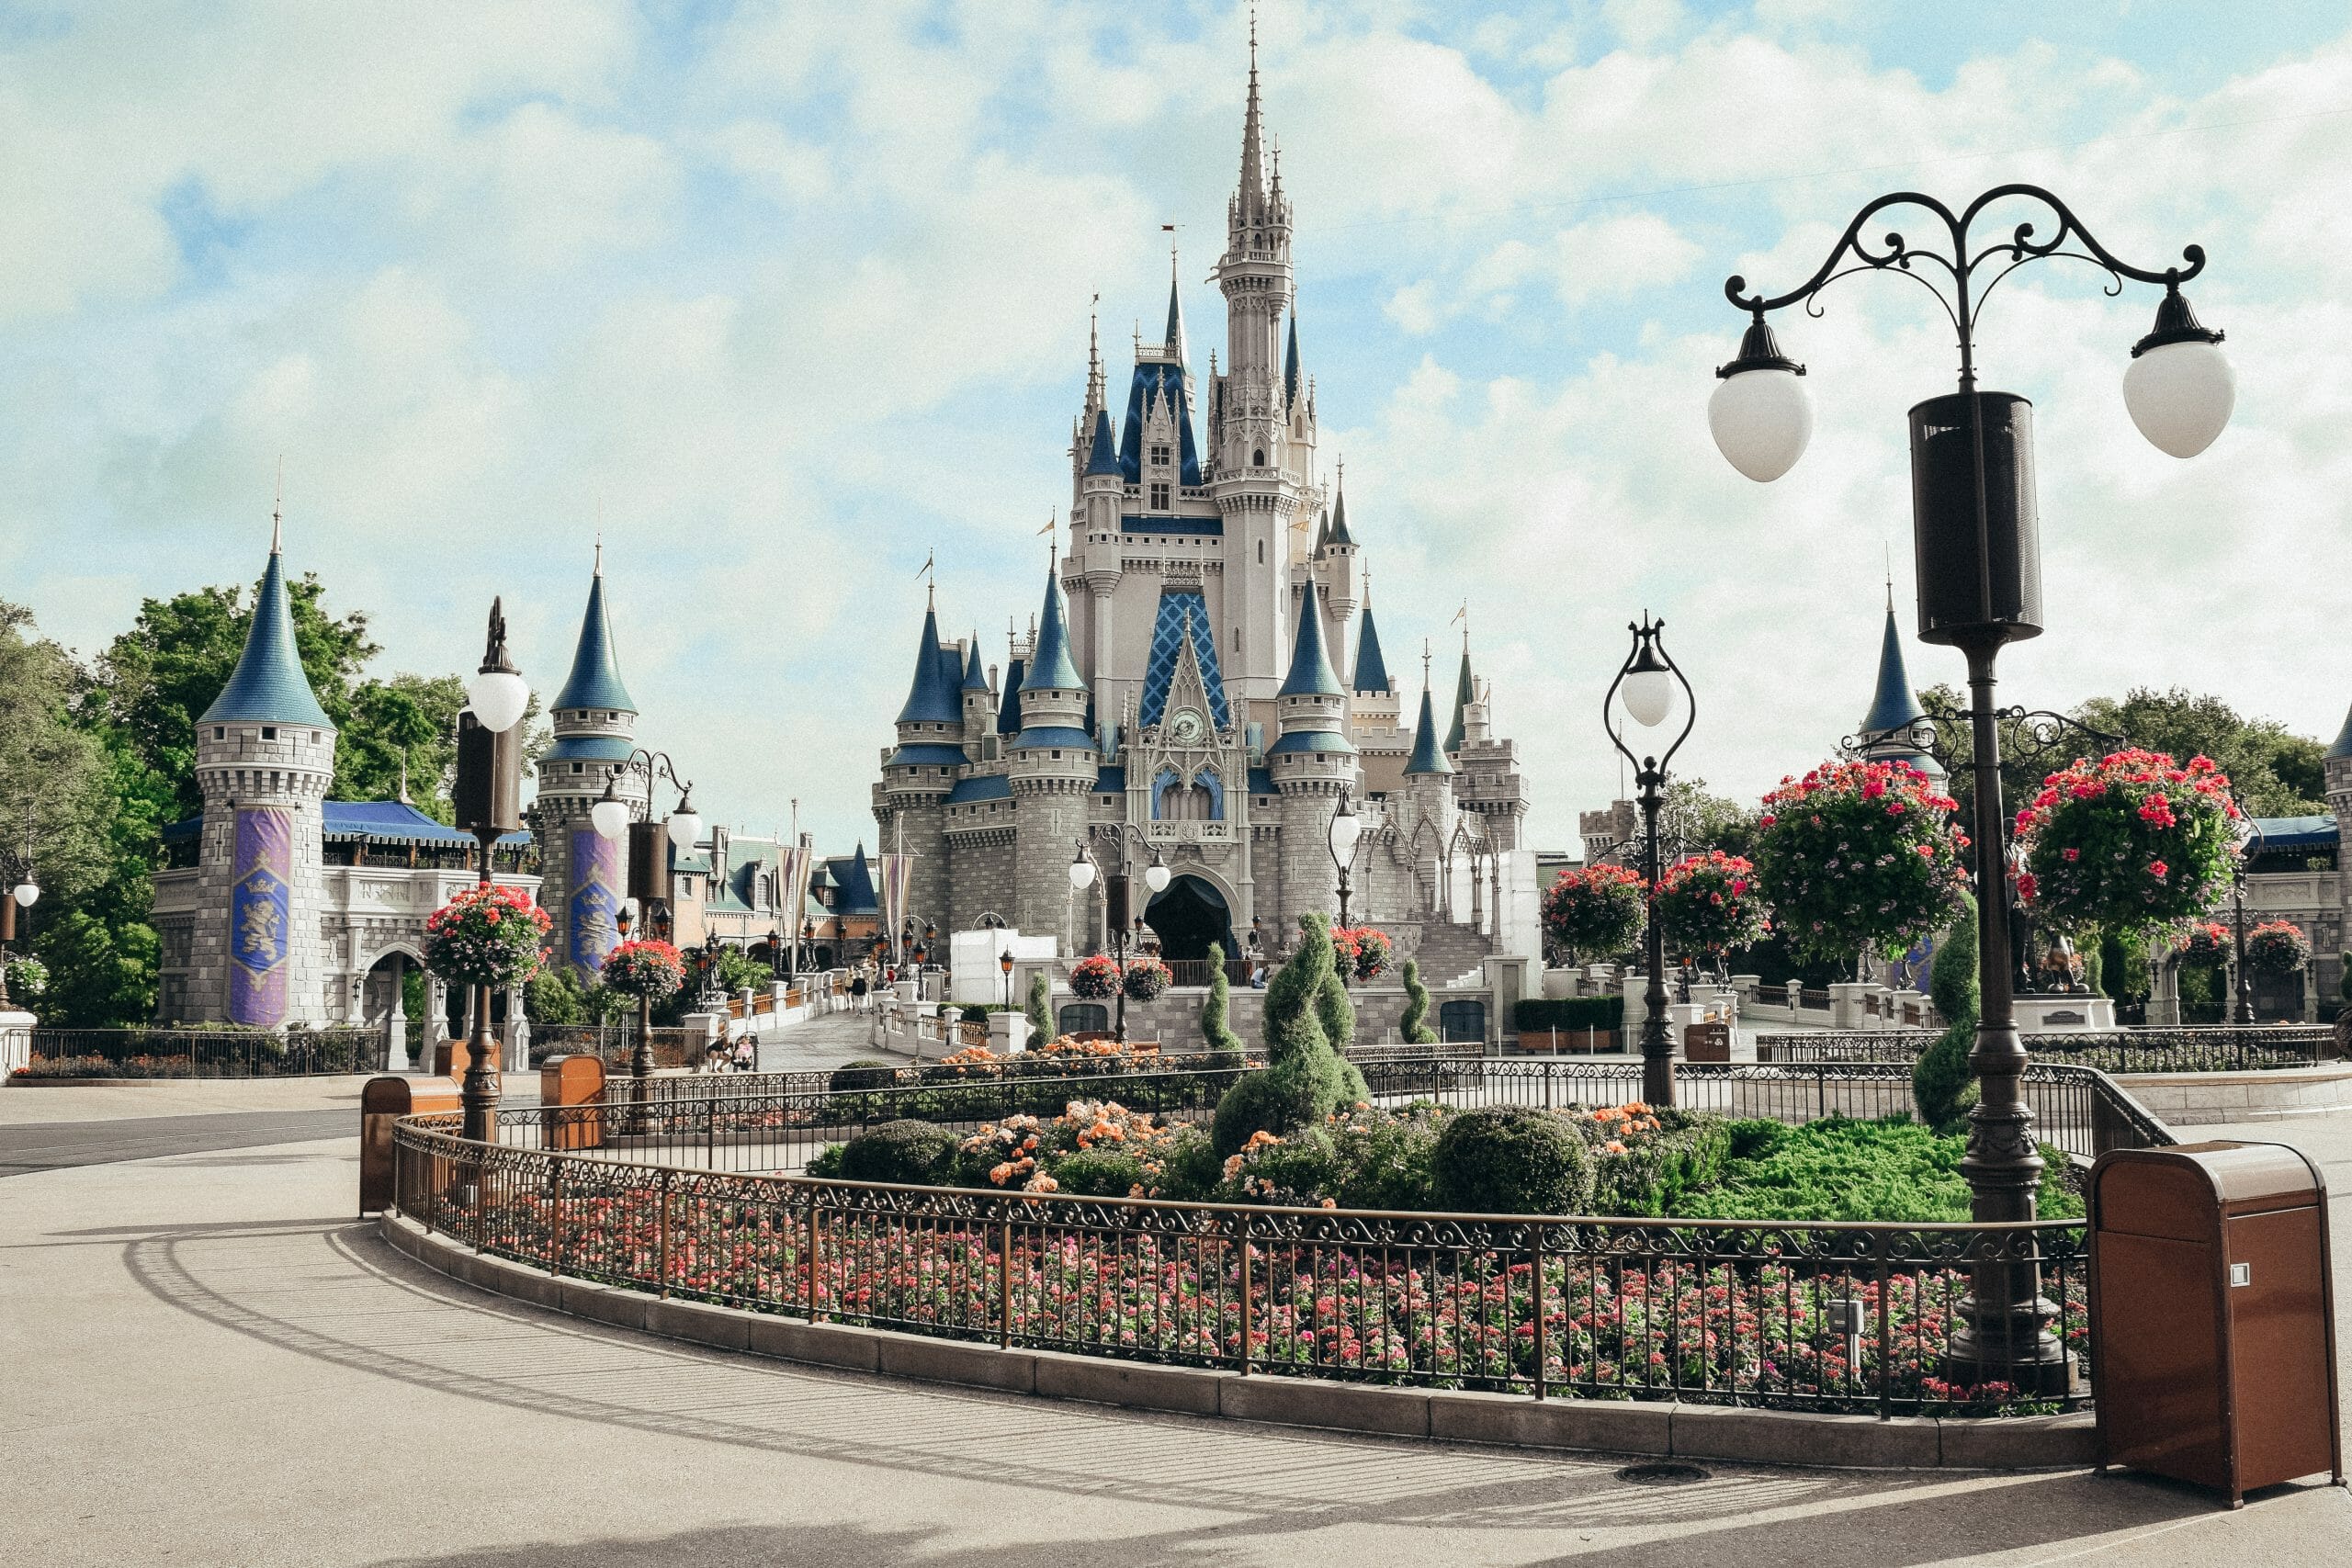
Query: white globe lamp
{"type": "Point", "coordinates": [1760, 414]}
{"type": "Point", "coordinates": [2179, 389]}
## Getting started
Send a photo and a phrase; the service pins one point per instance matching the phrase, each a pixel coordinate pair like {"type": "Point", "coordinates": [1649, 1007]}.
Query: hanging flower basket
{"type": "Point", "coordinates": [2204, 945]}
{"type": "Point", "coordinates": [2277, 947]}
{"type": "Point", "coordinates": [1361, 952]}
{"type": "Point", "coordinates": [486, 936]}
{"type": "Point", "coordinates": [1148, 979]}
{"type": "Point", "coordinates": [1595, 913]}
{"type": "Point", "coordinates": [27, 978]}
{"type": "Point", "coordinates": [2128, 843]}
{"type": "Point", "coordinates": [1709, 904]}
{"type": "Point", "coordinates": [1094, 979]}
{"type": "Point", "coordinates": [649, 968]}
{"type": "Point", "coordinates": [1857, 856]}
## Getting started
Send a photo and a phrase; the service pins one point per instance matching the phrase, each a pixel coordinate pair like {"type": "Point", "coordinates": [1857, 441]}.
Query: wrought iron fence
{"type": "Point", "coordinates": [1198, 972]}
{"type": "Point", "coordinates": [1822, 1316]}
{"type": "Point", "coordinates": [204, 1052]}
{"type": "Point", "coordinates": [2218, 1049]}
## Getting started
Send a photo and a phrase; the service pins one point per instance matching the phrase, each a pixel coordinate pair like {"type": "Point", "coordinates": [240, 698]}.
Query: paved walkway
{"type": "Point", "coordinates": [210, 1363]}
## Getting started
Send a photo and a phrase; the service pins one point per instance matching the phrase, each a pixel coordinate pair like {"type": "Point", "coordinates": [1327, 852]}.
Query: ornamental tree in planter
{"type": "Point", "coordinates": [1709, 904]}
{"type": "Point", "coordinates": [1305, 1078]}
{"type": "Point", "coordinates": [2130, 842]}
{"type": "Point", "coordinates": [488, 936]}
{"type": "Point", "coordinates": [1594, 913]}
{"type": "Point", "coordinates": [1094, 979]}
{"type": "Point", "coordinates": [2277, 947]}
{"type": "Point", "coordinates": [1860, 856]}
{"type": "Point", "coordinates": [1148, 979]}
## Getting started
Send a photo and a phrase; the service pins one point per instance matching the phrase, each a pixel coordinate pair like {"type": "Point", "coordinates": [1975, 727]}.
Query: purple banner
{"type": "Point", "coordinates": [260, 916]}
{"type": "Point", "coordinates": [595, 900]}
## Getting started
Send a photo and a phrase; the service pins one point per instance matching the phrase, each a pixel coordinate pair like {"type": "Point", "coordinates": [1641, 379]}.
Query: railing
{"type": "Point", "coordinates": [2221, 1049]}
{"type": "Point", "coordinates": [1197, 971]}
{"type": "Point", "coordinates": [1812, 997]}
{"type": "Point", "coordinates": [204, 1052]}
{"type": "Point", "coordinates": [1821, 1316]}
{"type": "Point", "coordinates": [613, 1043]}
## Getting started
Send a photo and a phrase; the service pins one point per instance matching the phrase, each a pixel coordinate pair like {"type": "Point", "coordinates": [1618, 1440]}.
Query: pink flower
{"type": "Point", "coordinates": [2158, 868]}
{"type": "Point", "coordinates": [2070, 856]}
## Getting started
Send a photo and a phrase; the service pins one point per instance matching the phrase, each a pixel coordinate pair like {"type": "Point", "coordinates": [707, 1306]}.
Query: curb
{"type": "Point", "coordinates": [30, 1082]}
{"type": "Point", "coordinates": [1653, 1429]}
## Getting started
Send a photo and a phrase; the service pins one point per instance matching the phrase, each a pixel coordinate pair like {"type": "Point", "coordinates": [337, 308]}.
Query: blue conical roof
{"type": "Point", "coordinates": [1339, 534]}
{"type": "Point", "coordinates": [1050, 668]}
{"type": "Point", "coordinates": [975, 678]}
{"type": "Point", "coordinates": [2343, 746]}
{"type": "Point", "coordinates": [1290, 365]}
{"type": "Point", "coordinates": [1102, 457]}
{"type": "Point", "coordinates": [1464, 689]}
{"type": "Point", "coordinates": [1372, 669]}
{"type": "Point", "coordinates": [1895, 705]}
{"type": "Point", "coordinates": [855, 884]}
{"type": "Point", "coordinates": [1310, 666]}
{"type": "Point", "coordinates": [268, 685]}
{"type": "Point", "coordinates": [1175, 339]}
{"type": "Point", "coordinates": [932, 699]}
{"type": "Point", "coordinates": [596, 680]}
{"type": "Point", "coordinates": [1008, 713]}
{"type": "Point", "coordinates": [1428, 756]}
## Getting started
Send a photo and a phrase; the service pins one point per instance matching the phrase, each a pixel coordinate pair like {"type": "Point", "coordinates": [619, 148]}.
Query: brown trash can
{"type": "Point", "coordinates": [2213, 1315]}
{"type": "Point", "coordinates": [569, 1116]}
{"type": "Point", "coordinates": [1707, 1041]}
{"type": "Point", "coordinates": [383, 1102]}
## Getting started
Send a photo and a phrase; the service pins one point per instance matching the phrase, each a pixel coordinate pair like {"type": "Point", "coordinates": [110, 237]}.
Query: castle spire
{"type": "Point", "coordinates": [268, 685]}
{"type": "Point", "coordinates": [1428, 756]}
{"type": "Point", "coordinates": [1338, 535]}
{"type": "Point", "coordinates": [931, 699]}
{"type": "Point", "coordinates": [1372, 669]}
{"type": "Point", "coordinates": [596, 679]}
{"type": "Point", "coordinates": [1253, 177]}
{"type": "Point", "coordinates": [1290, 365]}
{"type": "Point", "coordinates": [1175, 312]}
{"type": "Point", "coordinates": [1465, 689]}
{"type": "Point", "coordinates": [1050, 666]}
{"type": "Point", "coordinates": [1310, 663]}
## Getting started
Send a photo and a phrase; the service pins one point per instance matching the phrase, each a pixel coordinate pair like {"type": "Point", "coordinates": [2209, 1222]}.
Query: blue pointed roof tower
{"type": "Point", "coordinates": [932, 699]}
{"type": "Point", "coordinates": [596, 679]}
{"type": "Point", "coordinates": [1339, 534]}
{"type": "Point", "coordinates": [2342, 746]}
{"type": "Point", "coordinates": [1050, 666]}
{"type": "Point", "coordinates": [1102, 457]}
{"type": "Point", "coordinates": [1310, 666]}
{"type": "Point", "coordinates": [268, 685]}
{"type": "Point", "coordinates": [975, 678]}
{"type": "Point", "coordinates": [1465, 692]}
{"type": "Point", "coordinates": [1894, 706]}
{"type": "Point", "coordinates": [1372, 669]}
{"type": "Point", "coordinates": [1427, 757]}
{"type": "Point", "coordinates": [1290, 366]}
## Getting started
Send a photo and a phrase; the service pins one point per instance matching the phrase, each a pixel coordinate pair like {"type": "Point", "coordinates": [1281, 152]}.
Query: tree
{"type": "Point", "coordinates": [1941, 1085]}
{"type": "Point", "coordinates": [1216, 1029]}
{"type": "Point", "coordinates": [1040, 1008]}
{"type": "Point", "coordinates": [1693, 819]}
{"type": "Point", "coordinates": [1305, 1078]}
{"type": "Point", "coordinates": [403, 735]}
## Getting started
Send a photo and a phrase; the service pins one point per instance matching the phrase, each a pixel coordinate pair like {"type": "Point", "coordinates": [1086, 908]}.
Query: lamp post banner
{"type": "Point", "coordinates": [896, 870]}
{"type": "Point", "coordinates": [260, 927]}
{"type": "Point", "coordinates": [792, 888]}
{"type": "Point", "coordinates": [597, 890]}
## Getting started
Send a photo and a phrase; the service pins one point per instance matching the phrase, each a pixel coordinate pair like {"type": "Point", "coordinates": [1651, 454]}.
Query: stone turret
{"type": "Point", "coordinates": [585, 875]}
{"type": "Point", "coordinates": [1428, 793]}
{"type": "Point", "coordinates": [1053, 768]}
{"type": "Point", "coordinates": [264, 756]}
{"type": "Point", "coordinates": [911, 803]}
{"type": "Point", "coordinates": [1885, 733]}
{"type": "Point", "coordinates": [1312, 762]}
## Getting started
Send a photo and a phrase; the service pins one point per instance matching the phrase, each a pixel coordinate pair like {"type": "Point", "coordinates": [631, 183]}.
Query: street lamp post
{"type": "Point", "coordinates": [1004, 962]}
{"type": "Point", "coordinates": [2249, 840]}
{"type": "Point", "coordinates": [1115, 919]}
{"type": "Point", "coordinates": [649, 875]}
{"type": "Point", "coordinates": [1977, 545]}
{"type": "Point", "coordinates": [1647, 679]}
{"type": "Point", "coordinates": [488, 797]}
{"type": "Point", "coordinates": [1341, 838]}
{"type": "Point", "coordinates": [17, 891]}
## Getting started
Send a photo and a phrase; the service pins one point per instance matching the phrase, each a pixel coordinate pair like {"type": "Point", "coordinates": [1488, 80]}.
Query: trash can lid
{"type": "Point", "coordinates": [2245, 1178]}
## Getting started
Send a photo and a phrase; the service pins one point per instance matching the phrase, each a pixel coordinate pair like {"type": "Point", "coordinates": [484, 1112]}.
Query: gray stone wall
{"type": "Point", "coordinates": [980, 880]}
{"type": "Point", "coordinates": [237, 766]}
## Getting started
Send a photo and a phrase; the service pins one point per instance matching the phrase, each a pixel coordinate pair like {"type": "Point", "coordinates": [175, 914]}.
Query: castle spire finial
{"type": "Point", "coordinates": [277, 512]}
{"type": "Point", "coordinates": [1253, 180]}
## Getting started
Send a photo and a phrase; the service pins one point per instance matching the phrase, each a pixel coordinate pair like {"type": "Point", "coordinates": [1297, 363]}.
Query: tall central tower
{"type": "Point", "coordinates": [1262, 453]}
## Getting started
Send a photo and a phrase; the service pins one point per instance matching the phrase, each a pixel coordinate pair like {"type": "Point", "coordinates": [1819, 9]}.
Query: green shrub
{"type": "Point", "coordinates": [553, 996]}
{"type": "Point", "coordinates": [1334, 1010]}
{"type": "Point", "coordinates": [1217, 1026]}
{"type": "Point", "coordinates": [1040, 1008]}
{"type": "Point", "coordinates": [865, 1073]}
{"type": "Point", "coordinates": [1891, 1172]}
{"type": "Point", "coordinates": [1387, 1160]}
{"type": "Point", "coordinates": [1190, 1168]}
{"type": "Point", "coordinates": [826, 1162]}
{"type": "Point", "coordinates": [1511, 1159]}
{"type": "Point", "coordinates": [1414, 1025]}
{"type": "Point", "coordinates": [1537, 1015]}
{"type": "Point", "coordinates": [909, 1152]}
{"type": "Point", "coordinates": [1100, 1173]}
{"type": "Point", "coordinates": [1654, 1174]}
{"type": "Point", "coordinates": [1299, 1171]}
{"type": "Point", "coordinates": [1305, 1080]}
{"type": "Point", "coordinates": [1942, 1087]}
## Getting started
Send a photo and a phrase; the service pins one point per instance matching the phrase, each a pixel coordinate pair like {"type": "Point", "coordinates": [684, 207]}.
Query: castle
{"type": "Point", "coordinates": [1179, 692]}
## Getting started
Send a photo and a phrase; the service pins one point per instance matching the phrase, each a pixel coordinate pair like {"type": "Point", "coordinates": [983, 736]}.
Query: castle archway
{"type": "Point", "coordinates": [1189, 915]}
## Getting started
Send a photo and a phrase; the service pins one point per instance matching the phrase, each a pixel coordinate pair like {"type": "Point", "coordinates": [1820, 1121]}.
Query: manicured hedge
{"type": "Point", "coordinates": [1535, 1015]}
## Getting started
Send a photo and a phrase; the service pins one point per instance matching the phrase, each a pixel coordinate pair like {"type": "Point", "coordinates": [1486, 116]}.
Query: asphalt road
{"type": "Point", "coordinates": [55, 1145]}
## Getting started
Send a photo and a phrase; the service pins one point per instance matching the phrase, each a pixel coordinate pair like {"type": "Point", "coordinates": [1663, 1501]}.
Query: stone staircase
{"type": "Point", "coordinates": [1452, 954]}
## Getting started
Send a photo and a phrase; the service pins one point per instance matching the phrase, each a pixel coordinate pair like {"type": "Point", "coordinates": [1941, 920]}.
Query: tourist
{"type": "Point", "coordinates": [858, 990]}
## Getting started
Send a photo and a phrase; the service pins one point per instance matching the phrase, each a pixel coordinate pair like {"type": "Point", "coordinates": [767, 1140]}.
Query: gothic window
{"type": "Point", "coordinates": [1262, 552]}
{"type": "Point", "coordinates": [1258, 459]}
{"type": "Point", "coordinates": [1159, 497]}
{"type": "Point", "coordinates": [1160, 457]}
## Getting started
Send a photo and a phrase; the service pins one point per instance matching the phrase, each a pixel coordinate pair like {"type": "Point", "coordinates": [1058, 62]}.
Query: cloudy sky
{"type": "Point", "coordinates": [797, 294]}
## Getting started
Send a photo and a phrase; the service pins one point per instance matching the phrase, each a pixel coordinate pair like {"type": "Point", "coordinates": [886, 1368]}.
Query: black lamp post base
{"type": "Point", "coordinates": [2031, 1359]}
